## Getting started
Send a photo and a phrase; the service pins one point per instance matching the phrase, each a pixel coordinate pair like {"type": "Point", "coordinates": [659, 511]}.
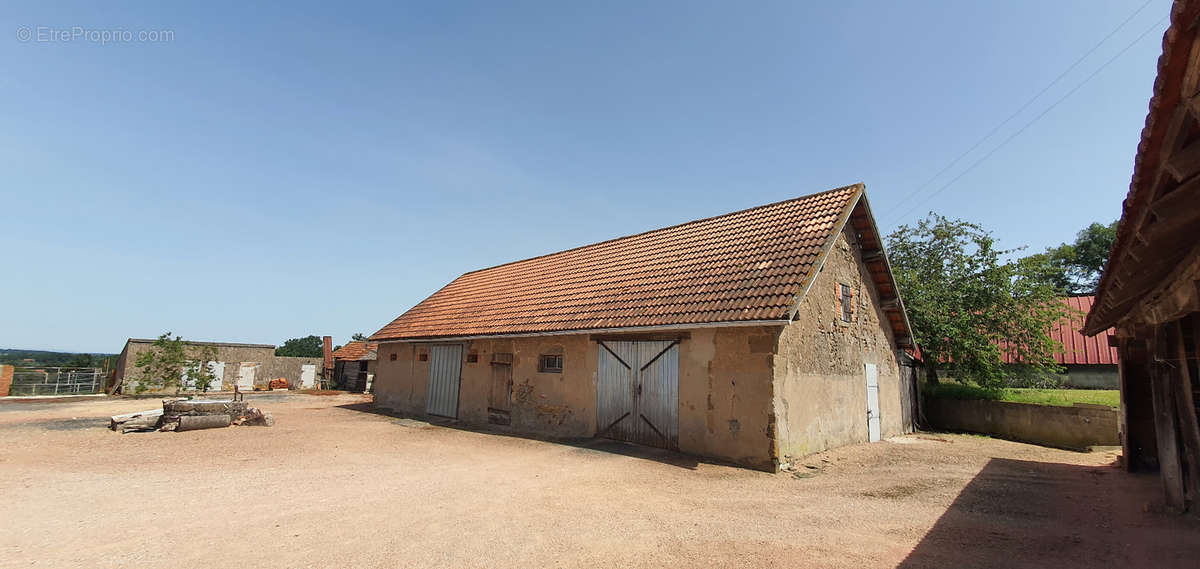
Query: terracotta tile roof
{"type": "Point", "coordinates": [355, 351]}
{"type": "Point", "coordinates": [742, 266]}
{"type": "Point", "coordinates": [1077, 348]}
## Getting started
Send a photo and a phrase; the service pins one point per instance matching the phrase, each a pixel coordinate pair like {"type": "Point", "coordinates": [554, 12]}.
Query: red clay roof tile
{"type": "Point", "coordinates": [355, 351]}
{"type": "Point", "coordinates": [742, 266]}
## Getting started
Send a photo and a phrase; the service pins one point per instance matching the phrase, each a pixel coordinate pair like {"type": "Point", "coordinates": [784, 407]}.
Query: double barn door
{"type": "Point", "coordinates": [638, 392]}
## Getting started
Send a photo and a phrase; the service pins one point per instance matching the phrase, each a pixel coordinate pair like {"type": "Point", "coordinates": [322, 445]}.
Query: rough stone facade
{"type": "Point", "coordinates": [724, 388]}
{"type": "Point", "coordinates": [820, 381]}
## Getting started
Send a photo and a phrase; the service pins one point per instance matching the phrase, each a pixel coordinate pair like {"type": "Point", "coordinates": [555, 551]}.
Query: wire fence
{"type": "Point", "coordinates": [56, 380]}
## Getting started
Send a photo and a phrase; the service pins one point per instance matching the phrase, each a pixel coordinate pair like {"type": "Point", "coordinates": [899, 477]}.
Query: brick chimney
{"type": "Point", "coordinates": [328, 341]}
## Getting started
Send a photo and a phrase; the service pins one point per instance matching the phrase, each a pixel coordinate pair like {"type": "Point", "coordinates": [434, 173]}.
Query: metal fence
{"type": "Point", "coordinates": [56, 380]}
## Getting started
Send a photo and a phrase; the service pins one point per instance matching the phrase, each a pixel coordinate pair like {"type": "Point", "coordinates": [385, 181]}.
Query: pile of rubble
{"type": "Point", "coordinates": [191, 415]}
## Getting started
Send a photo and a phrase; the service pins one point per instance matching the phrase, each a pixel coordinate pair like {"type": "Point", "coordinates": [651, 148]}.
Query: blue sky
{"type": "Point", "coordinates": [272, 172]}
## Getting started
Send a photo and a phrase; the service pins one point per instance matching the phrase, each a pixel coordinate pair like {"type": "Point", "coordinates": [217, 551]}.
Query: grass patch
{"type": "Point", "coordinates": [1058, 397]}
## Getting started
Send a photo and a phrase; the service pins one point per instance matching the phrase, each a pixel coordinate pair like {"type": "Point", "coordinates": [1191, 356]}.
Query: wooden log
{"type": "Point", "coordinates": [1169, 467]}
{"type": "Point", "coordinates": [116, 421]}
{"type": "Point", "coordinates": [141, 424]}
{"type": "Point", "coordinates": [197, 422]}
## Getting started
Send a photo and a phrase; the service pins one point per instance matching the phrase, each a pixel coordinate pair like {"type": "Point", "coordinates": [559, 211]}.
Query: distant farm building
{"type": "Point", "coordinates": [354, 365]}
{"type": "Point", "coordinates": [246, 366]}
{"type": "Point", "coordinates": [755, 337]}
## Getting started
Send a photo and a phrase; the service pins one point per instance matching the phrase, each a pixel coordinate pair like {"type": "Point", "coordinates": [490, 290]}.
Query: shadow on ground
{"type": "Point", "coordinates": [1018, 513]}
{"type": "Point", "coordinates": [596, 445]}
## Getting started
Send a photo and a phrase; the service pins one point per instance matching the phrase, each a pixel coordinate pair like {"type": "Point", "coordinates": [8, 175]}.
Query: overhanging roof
{"type": "Point", "coordinates": [1159, 221]}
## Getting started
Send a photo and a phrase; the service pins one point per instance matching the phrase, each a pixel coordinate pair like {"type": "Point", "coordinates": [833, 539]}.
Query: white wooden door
{"type": "Point", "coordinates": [872, 373]}
{"type": "Point", "coordinates": [308, 376]}
{"type": "Point", "coordinates": [638, 392]}
{"type": "Point", "coordinates": [246, 376]}
{"type": "Point", "coordinates": [218, 376]}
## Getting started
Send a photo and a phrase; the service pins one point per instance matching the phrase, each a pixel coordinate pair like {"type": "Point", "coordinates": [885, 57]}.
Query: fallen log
{"type": "Point", "coordinates": [116, 421]}
{"type": "Point", "coordinates": [197, 422]}
{"type": "Point", "coordinates": [141, 424]}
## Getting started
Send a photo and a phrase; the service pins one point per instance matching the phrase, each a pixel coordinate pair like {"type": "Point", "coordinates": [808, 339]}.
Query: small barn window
{"type": "Point", "coordinates": [392, 357]}
{"type": "Point", "coordinates": [846, 300]}
{"type": "Point", "coordinates": [424, 357]}
{"type": "Point", "coordinates": [550, 364]}
{"type": "Point", "coordinates": [472, 357]}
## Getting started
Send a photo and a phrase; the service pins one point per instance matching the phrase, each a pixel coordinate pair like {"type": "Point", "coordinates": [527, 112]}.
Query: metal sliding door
{"type": "Point", "coordinates": [638, 392]}
{"type": "Point", "coordinates": [445, 367]}
{"type": "Point", "coordinates": [873, 415]}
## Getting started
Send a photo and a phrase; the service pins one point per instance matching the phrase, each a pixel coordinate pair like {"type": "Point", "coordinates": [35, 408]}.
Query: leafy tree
{"type": "Point", "coordinates": [171, 361]}
{"type": "Point", "coordinates": [1077, 266]}
{"type": "Point", "coordinates": [306, 347]}
{"type": "Point", "coordinates": [358, 337]}
{"type": "Point", "coordinates": [81, 360]}
{"type": "Point", "coordinates": [965, 302]}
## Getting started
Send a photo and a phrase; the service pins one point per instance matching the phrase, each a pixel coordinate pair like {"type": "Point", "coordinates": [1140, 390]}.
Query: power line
{"type": "Point", "coordinates": [1022, 108]}
{"type": "Point", "coordinates": [1038, 117]}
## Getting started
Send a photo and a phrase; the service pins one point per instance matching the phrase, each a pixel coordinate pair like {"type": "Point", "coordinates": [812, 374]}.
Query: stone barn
{"type": "Point", "coordinates": [752, 337]}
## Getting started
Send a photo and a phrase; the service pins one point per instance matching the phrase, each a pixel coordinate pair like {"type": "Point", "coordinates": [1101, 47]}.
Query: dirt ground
{"type": "Point", "coordinates": [335, 485]}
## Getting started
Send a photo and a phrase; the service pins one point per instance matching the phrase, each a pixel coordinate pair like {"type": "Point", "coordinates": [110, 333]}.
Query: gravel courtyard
{"type": "Point", "coordinates": [334, 485]}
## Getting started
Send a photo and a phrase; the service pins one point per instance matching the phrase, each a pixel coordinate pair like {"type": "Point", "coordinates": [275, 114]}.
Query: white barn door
{"type": "Point", "coordinates": [445, 367]}
{"type": "Point", "coordinates": [308, 376]}
{"type": "Point", "coordinates": [873, 430]}
{"type": "Point", "coordinates": [638, 392]}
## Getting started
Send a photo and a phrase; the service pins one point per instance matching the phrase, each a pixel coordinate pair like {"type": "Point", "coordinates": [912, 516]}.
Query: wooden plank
{"type": "Point", "coordinates": [1184, 163]}
{"type": "Point", "coordinates": [1186, 407]}
{"type": "Point", "coordinates": [1123, 364]}
{"type": "Point", "coordinates": [1169, 468]}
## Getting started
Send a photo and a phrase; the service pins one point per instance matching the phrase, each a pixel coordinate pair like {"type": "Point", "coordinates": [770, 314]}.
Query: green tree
{"type": "Point", "coordinates": [81, 360]}
{"type": "Point", "coordinates": [967, 305]}
{"type": "Point", "coordinates": [358, 337]}
{"type": "Point", "coordinates": [306, 347]}
{"type": "Point", "coordinates": [1076, 267]}
{"type": "Point", "coordinates": [170, 362]}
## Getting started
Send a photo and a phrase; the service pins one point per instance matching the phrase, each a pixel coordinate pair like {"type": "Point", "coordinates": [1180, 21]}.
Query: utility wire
{"type": "Point", "coordinates": [1038, 117]}
{"type": "Point", "coordinates": [1020, 110]}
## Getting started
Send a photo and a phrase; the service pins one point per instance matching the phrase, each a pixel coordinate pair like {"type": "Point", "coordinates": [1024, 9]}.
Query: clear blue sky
{"type": "Point", "coordinates": [271, 173]}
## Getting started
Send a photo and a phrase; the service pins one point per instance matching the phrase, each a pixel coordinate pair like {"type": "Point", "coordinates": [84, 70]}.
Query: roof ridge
{"type": "Point", "coordinates": [649, 231]}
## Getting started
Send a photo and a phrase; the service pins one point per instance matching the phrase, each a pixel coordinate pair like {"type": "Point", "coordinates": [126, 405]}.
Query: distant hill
{"type": "Point", "coordinates": [54, 359]}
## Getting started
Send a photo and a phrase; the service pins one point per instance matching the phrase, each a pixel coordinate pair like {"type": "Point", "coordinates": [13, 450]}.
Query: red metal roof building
{"type": "Point", "coordinates": [1079, 349]}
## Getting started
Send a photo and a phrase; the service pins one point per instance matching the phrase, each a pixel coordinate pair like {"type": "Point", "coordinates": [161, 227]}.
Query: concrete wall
{"type": "Point", "coordinates": [271, 367]}
{"type": "Point", "coordinates": [1066, 427]}
{"type": "Point", "coordinates": [6, 377]}
{"type": "Point", "coordinates": [725, 390]}
{"type": "Point", "coordinates": [819, 376]}
{"type": "Point", "coordinates": [287, 367]}
{"type": "Point", "coordinates": [1092, 377]}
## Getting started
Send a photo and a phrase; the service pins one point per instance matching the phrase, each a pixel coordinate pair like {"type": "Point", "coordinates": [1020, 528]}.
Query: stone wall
{"type": "Point", "coordinates": [1092, 377]}
{"type": "Point", "coordinates": [270, 366]}
{"type": "Point", "coordinates": [1075, 427]}
{"type": "Point", "coordinates": [819, 370]}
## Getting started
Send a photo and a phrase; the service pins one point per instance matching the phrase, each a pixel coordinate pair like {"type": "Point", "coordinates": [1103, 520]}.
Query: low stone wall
{"type": "Point", "coordinates": [1075, 427]}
